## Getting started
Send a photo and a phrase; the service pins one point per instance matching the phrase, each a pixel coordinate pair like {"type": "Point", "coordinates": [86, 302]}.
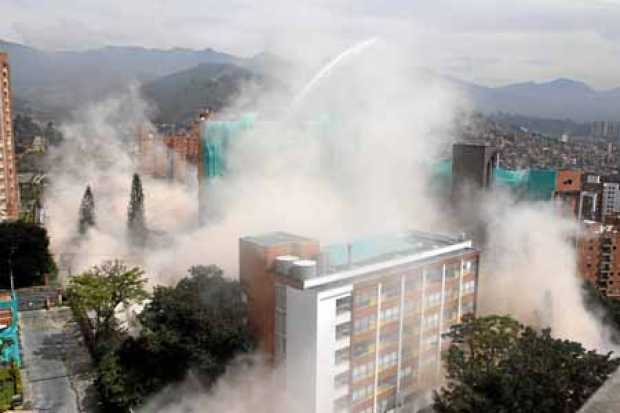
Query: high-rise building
{"type": "Point", "coordinates": [472, 167]}
{"type": "Point", "coordinates": [611, 198]}
{"type": "Point", "coordinates": [598, 257]}
{"type": "Point", "coordinates": [358, 327]}
{"type": "Point", "coordinates": [9, 190]}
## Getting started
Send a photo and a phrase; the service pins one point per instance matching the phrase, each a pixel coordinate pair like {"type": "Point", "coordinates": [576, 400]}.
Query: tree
{"type": "Point", "coordinates": [607, 308]}
{"type": "Point", "coordinates": [52, 135]}
{"type": "Point", "coordinates": [87, 212]}
{"type": "Point", "coordinates": [24, 251]}
{"type": "Point", "coordinates": [497, 365]}
{"type": "Point", "coordinates": [136, 222]}
{"type": "Point", "coordinates": [203, 318]}
{"type": "Point", "coordinates": [101, 290]}
{"type": "Point", "coordinates": [199, 324]}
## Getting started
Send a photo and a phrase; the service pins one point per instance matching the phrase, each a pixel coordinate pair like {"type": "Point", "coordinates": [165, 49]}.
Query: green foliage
{"type": "Point", "coordinates": [101, 290]}
{"type": "Point", "coordinates": [52, 135]}
{"type": "Point", "coordinates": [202, 321]}
{"type": "Point", "coordinates": [113, 386]}
{"type": "Point", "coordinates": [87, 212]}
{"type": "Point", "coordinates": [24, 247]}
{"type": "Point", "coordinates": [136, 222]}
{"type": "Point", "coordinates": [200, 324]}
{"type": "Point", "coordinates": [497, 365]}
{"type": "Point", "coordinates": [25, 127]}
{"type": "Point", "coordinates": [10, 385]}
{"type": "Point", "coordinates": [609, 308]}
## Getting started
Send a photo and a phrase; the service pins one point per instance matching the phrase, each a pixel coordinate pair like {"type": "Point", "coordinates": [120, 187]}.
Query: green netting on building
{"type": "Point", "coordinates": [9, 340]}
{"type": "Point", "coordinates": [531, 184]}
{"type": "Point", "coordinates": [216, 137]}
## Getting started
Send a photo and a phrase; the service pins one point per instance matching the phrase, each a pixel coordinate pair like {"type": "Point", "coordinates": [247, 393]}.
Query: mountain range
{"type": "Point", "coordinates": [178, 81]}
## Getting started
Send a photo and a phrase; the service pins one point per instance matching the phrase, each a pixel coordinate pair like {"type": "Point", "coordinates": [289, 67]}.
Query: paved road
{"type": "Point", "coordinates": [57, 366]}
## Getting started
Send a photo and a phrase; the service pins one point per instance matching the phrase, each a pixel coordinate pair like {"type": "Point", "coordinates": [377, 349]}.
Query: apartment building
{"type": "Point", "coordinates": [599, 257]}
{"type": "Point", "coordinates": [611, 198]}
{"type": "Point", "coordinates": [358, 327]}
{"type": "Point", "coordinates": [9, 190]}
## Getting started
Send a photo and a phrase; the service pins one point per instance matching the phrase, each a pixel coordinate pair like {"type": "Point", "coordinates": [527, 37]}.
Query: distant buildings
{"type": "Point", "coordinates": [357, 327]}
{"type": "Point", "coordinates": [9, 190]}
{"type": "Point", "coordinates": [603, 129]}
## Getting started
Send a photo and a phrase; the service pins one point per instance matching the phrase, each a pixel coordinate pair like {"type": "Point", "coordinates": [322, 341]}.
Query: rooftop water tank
{"type": "Point", "coordinates": [303, 269]}
{"type": "Point", "coordinates": [283, 263]}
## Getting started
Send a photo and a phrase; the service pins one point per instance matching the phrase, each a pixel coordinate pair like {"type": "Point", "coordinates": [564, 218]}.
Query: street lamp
{"type": "Point", "coordinates": [13, 248]}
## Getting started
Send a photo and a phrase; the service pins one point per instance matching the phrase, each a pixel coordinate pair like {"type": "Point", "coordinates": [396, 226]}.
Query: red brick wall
{"type": "Point", "coordinates": [257, 280]}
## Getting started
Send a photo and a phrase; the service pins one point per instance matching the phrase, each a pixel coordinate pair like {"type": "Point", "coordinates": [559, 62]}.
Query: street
{"type": "Point", "coordinates": [56, 363]}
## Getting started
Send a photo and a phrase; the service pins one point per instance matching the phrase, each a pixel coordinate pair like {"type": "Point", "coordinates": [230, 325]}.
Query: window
{"type": "Point", "coordinates": [433, 299]}
{"type": "Point", "coordinates": [468, 308]}
{"type": "Point", "coordinates": [431, 341]}
{"type": "Point", "coordinates": [388, 337]}
{"type": "Point", "coordinates": [388, 360]}
{"type": "Point", "coordinates": [469, 287]}
{"type": "Point", "coordinates": [343, 330]}
{"type": "Point", "coordinates": [281, 297]}
{"type": "Point", "coordinates": [388, 381]}
{"type": "Point", "coordinates": [413, 282]}
{"type": "Point", "coordinates": [365, 323]}
{"type": "Point", "coordinates": [453, 270]}
{"type": "Point", "coordinates": [343, 305]}
{"type": "Point", "coordinates": [362, 393]}
{"type": "Point", "coordinates": [390, 314]}
{"type": "Point", "coordinates": [363, 347]}
{"type": "Point", "coordinates": [407, 371]}
{"type": "Point", "coordinates": [366, 298]}
{"type": "Point", "coordinates": [470, 265]}
{"type": "Point", "coordinates": [363, 371]}
{"type": "Point", "coordinates": [386, 404]}
{"type": "Point", "coordinates": [434, 274]}
{"type": "Point", "coordinates": [413, 306]}
{"type": "Point", "coordinates": [390, 291]}
{"type": "Point", "coordinates": [342, 355]}
{"type": "Point", "coordinates": [280, 322]}
{"type": "Point", "coordinates": [431, 320]}
{"type": "Point", "coordinates": [341, 380]}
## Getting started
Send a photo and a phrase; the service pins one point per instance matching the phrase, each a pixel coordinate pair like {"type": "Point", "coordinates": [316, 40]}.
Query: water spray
{"type": "Point", "coordinates": [327, 69]}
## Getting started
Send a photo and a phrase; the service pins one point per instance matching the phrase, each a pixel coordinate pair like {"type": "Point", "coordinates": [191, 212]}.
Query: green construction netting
{"type": "Point", "coordinates": [216, 136]}
{"type": "Point", "coordinates": [531, 184]}
{"type": "Point", "coordinates": [9, 340]}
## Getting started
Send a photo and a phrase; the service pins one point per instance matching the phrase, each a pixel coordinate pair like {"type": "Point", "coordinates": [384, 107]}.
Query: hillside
{"type": "Point", "coordinates": [209, 85]}
{"type": "Point", "coordinates": [557, 99]}
{"type": "Point", "coordinates": [55, 83]}
{"type": "Point", "coordinates": [59, 82]}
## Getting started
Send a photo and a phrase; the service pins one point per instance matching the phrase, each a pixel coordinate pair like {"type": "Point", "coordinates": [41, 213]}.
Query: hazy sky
{"type": "Point", "coordinates": [487, 41]}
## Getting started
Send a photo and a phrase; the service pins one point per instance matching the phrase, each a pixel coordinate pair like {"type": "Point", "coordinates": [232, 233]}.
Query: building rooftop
{"type": "Point", "coordinates": [339, 262]}
{"type": "Point", "coordinates": [382, 247]}
{"type": "Point", "coordinates": [272, 239]}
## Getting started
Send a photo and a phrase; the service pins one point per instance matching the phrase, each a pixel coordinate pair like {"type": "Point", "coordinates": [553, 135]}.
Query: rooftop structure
{"type": "Point", "coordinates": [357, 326]}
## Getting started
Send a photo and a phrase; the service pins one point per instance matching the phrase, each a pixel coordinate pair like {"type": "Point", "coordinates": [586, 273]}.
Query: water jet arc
{"type": "Point", "coordinates": [327, 69]}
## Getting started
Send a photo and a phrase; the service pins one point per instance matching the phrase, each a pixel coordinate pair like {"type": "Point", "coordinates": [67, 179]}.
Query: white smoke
{"type": "Point", "coordinates": [353, 160]}
{"type": "Point", "coordinates": [529, 270]}
{"type": "Point", "coordinates": [345, 164]}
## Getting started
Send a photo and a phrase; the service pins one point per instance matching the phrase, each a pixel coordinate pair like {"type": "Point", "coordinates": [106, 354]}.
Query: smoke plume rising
{"type": "Point", "coordinates": [353, 159]}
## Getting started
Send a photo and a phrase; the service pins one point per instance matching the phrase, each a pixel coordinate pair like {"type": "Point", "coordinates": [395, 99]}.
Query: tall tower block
{"type": "Point", "coordinates": [9, 190]}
